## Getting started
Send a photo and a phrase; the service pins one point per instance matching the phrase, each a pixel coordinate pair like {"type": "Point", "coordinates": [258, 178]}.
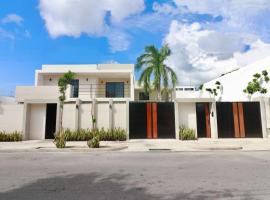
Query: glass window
{"type": "Point", "coordinates": [143, 96]}
{"type": "Point", "coordinates": [75, 88]}
{"type": "Point", "coordinates": [115, 89]}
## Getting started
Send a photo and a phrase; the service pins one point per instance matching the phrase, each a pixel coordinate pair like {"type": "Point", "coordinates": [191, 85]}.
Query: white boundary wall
{"type": "Point", "coordinates": [11, 117]}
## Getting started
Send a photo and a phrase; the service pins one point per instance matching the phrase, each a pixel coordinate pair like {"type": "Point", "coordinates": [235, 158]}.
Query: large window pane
{"type": "Point", "coordinates": [115, 89]}
{"type": "Point", "coordinates": [75, 88]}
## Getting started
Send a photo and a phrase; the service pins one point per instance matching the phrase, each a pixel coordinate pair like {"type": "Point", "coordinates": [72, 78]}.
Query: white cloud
{"type": "Point", "coordinates": [94, 18]}
{"type": "Point", "coordinates": [6, 34]}
{"type": "Point", "coordinates": [12, 18]}
{"type": "Point", "coordinates": [199, 55]}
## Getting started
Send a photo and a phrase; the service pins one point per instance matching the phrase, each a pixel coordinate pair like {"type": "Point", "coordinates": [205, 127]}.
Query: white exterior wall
{"type": "Point", "coordinates": [69, 116]}
{"type": "Point", "coordinates": [37, 122]}
{"type": "Point", "coordinates": [11, 117]}
{"type": "Point", "coordinates": [102, 115]}
{"type": "Point", "coordinates": [235, 82]}
{"type": "Point", "coordinates": [187, 115]}
{"type": "Point", "coordinates": [120, 115]}
{"type": "Point", "coordinates": [85, 116]}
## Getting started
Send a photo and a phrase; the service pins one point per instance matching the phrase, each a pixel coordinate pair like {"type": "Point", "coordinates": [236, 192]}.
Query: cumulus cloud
{"type": "Point", "coordinates": [7, 31]}
{"type": "Point", "coordinates": [203, 49]}
{"type": "Point", "coordinates": [199, 55]}
{"type": "Point", "coordinates": [12, 18]}
{"type": "Point", "coordinates": [94, 18]}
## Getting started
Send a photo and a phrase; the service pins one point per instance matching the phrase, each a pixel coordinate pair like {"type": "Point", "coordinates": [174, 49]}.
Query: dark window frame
{"type": "Point", "coordinates": [75, 83]}
{"type": "Point", "coordinates": [114, 92]}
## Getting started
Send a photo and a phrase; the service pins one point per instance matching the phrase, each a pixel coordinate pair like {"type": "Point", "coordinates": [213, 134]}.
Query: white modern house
{"type": "Point", "coordinates": [99, 90]}
{"type": "Point", "coordinates": [109, 93]}
{"type": "Point", "coordinates": [231, 113]}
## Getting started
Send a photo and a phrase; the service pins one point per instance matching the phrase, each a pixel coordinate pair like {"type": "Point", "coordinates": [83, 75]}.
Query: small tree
{"type": "Point", "coordinates": [256, 85]}
{"type": "Point", "coordinates": [63, 83]}
{"type": "Point", "coordinates": [215, 90]}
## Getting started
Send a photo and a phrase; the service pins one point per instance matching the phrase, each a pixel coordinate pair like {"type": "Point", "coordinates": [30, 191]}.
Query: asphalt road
{"type": "Point", "coordinates": [146, 175]}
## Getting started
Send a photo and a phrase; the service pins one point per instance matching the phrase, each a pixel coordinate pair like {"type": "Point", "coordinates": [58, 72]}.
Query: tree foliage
{"type": "Point", "coordinates": [156, 74]}
{"type": "Point", "coordinates": [256, 85]}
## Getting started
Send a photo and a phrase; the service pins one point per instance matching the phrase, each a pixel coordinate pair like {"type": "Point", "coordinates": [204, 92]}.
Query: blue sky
{"type": "Point", "coordinates": [206, 38]}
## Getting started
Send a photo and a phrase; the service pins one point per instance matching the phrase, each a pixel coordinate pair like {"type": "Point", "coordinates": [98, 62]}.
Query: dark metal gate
{"type": "Point", "coordinates": [239, 119]}
{"type": "Point", "coordinates": [151, 120]}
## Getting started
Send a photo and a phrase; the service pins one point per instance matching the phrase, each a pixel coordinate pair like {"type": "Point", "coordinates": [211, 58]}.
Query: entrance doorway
{"type": "Point", "coordinates": [51, 112]}
{"type": "Point", "coordinates": [151, 120]}
{"type": "Point", "coordinates": [203, 120]}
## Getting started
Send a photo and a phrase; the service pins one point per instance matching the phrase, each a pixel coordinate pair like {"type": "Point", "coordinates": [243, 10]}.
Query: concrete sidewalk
{"type": "Point", "coordinates": [244, 144]}
{"type": "Point", "coordinates": [143, 145]}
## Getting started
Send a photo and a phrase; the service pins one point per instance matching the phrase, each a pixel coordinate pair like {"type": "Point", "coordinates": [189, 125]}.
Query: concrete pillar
{"type": "Point", "coordinates": [131, 87]}
{"type": "Point", "coordinates": [93, 112]}
{"type": "Point", "coordinates": [77, 114]}
{"type": "Point", "coordinates": [213, 120]}
{"type": "Point", "coordinates": [176, 118]}
{"type": "Point", "coordinates": [267, 113]}
{"type": "Point", "coordinates": [57, 128]}
{"type": "Point", "coordinates": [127, 118]}
{"type": "Point", "coordinates": [111, 124]}
{"type": "Point", "coordinates": [25, 120]}
{"type": "Point", "coordinates": [263, 117]}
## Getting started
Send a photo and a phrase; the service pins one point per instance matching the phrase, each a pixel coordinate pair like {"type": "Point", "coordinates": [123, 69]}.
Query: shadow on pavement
{"type": "Point", "coordinates": [93, 186]}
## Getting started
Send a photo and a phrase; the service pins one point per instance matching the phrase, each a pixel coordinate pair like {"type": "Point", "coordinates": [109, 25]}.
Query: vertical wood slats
{"type": "Point", "coordinates": [236, 120]}
{"type": "Point", "coordinates": [149, 120]}
{"type": "Point", "coordinates": [154, 119]}
{"type": "Point", "coordinates": [152, 127]}
{"type": "Point", "coordinates": [241, 120]}
{"type": "Point", "coordinates": [207, 120]}
{"type": "Point", "coordinates": [238, 117]}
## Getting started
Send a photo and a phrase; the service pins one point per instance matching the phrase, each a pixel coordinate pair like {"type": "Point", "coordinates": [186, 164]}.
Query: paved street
{"type": "Point", "coordinates": [130, 175]}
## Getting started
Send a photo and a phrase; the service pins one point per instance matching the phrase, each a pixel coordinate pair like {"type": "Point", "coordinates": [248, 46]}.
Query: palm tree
{"type": "Point", "coordinates": [156, 74]}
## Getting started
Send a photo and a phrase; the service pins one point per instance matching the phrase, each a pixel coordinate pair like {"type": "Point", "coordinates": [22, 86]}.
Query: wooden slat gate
{"type": "Point", "coordinates": [151, 120]}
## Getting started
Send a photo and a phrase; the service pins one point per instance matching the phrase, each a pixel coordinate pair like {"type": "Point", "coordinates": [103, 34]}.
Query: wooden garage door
{"type": "Point", "coordinates": [151, 120]}
{"type": "Point", "coordinates": [239, 119]}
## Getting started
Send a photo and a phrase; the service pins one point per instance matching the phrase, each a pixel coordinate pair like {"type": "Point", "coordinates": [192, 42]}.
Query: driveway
{"type": "Point", "coordinates": [135, 175]}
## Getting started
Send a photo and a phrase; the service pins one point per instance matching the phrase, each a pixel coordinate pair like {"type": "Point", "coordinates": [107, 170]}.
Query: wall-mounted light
{"type": "Point", "coordinates": [50, 79]}
{"type": "Point", "coordinates": [86, 79]}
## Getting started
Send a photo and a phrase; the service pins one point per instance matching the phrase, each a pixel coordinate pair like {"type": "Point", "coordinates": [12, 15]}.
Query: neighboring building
{"type": "Point", "coordinates": [230, 114]}
{"type": "Point", "coordinates": [110, 94]}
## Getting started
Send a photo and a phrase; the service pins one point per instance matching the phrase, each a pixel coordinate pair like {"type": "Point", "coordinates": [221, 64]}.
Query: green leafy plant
{"type": "Point", "coordinates": [15, 136]}
{"type": "Point", "coordinates": [256, 85]}
{"type": "Point", "coordinates": [186, 133]}
{"type": "Point", "coordinates": [60, 141]}
{"type": "Point", "coordinates": [63, 83]}
{"type": "Point", "coordinates": [156, 74]}
{"type": "Point", "coordinates": [93, 143]}
{"type": "Point", "coordinates": [215, 90]}
{"type": "Point", "coordinates": [116, 134]}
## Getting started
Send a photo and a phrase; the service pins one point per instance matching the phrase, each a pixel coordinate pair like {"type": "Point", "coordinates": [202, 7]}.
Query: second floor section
{"type": "Point", "coordinates": [90, 81]}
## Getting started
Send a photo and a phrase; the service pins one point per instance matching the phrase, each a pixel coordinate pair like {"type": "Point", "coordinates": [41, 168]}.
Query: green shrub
{"type": "Point", "coordinates": [15, 136]}
{"type": "Point", "coordinates": [116, 134]}
{"type": "Point", "coordinates": [93, 143]}
{"type": "Point", "coordinates": [187, 133]}
{"type": "Point", "coordinates": [60, 141]}
{"type": "Point", "coordinates": [80, 135]}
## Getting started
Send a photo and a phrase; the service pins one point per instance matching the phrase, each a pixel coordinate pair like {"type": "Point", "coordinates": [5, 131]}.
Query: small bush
{"type": "Point", "coordinates": [80, 135]}
{"type": "Point", "coordinates": [187, 133]}
{"type": "Point", "coordinates": [116, 134]}
{"type": "Point", "coordinates": [15, 136]}
{"type": "Point", "coordinates": [93, 143]}
{"type": "Point", "coordinates": [60, 141]}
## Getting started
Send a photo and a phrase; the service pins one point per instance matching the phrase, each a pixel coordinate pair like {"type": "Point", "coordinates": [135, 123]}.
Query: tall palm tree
{"type": "Point", "coordinates": [156, 74]}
